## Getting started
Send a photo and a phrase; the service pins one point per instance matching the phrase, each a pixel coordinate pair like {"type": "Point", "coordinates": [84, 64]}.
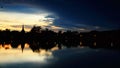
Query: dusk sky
{"type": "Point", "coordinates": [82, 15]}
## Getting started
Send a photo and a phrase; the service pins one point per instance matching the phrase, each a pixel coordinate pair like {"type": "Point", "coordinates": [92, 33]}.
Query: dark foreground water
{"type": "Point", "coordinates": [65, 58]}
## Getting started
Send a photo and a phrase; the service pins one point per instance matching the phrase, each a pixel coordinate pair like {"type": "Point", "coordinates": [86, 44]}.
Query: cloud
{"type": "Point", "coordinates": [20, 26]}
{"type": "Point", "coordinates": [22, 8]}
{"type": "Point", "coordinates": [5, 20]}
{"type": "Point", "coordinates": [52, 16]}
{"type": "Point", "coordinates": [17, 19]}
{"type": "Point", "coordinates": [69, 25]}
{"type": "Point", "coordinates": [54, 28]}
{"type": "Point", "coordinates": [48, 20]}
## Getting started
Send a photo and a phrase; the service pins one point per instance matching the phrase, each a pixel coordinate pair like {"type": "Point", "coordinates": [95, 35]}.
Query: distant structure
{"type": "Point", "coordinates": [22, 38]}
{"type": "Point", "coordinates": [23, 30]}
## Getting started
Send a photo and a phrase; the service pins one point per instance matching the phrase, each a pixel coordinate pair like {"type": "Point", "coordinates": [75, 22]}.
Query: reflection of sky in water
{"type": "Point", "coordinates": [11, 56]}
{"type": "Point", "coordinates": [65, 58]}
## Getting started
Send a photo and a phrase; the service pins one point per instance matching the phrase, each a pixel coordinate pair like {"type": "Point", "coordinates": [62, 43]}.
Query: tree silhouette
{"type": "Point", "coordinates": [46, 39]}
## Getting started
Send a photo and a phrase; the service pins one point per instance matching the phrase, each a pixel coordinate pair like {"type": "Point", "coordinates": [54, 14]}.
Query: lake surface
{"type": "Point", "coordinates": [81, 57]}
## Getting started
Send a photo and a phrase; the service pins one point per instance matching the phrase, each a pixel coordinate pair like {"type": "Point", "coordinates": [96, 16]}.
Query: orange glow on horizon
{"type": "Point", "coordinates": [7, 46]}
{"type": "Point", "coordinates": [26, 46]}
{"type": "Point", "coordinates": [55, 48]}
{"type": "Point", "coordinates": [0, 46]}
{"type": "Point", "coordinates": [44, 52]}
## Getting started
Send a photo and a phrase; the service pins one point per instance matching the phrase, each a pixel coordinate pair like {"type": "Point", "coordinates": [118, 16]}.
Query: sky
{"type": "Point", "coordinates": [81, 15]}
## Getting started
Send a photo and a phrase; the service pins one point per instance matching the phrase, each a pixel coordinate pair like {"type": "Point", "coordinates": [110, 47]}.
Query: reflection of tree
{"type": "Point", "coordinates": [47, 39]}
{"type": "Point", "coordinates": [14, 44]}
{"type": "Point", "coordinates": [34, 46]}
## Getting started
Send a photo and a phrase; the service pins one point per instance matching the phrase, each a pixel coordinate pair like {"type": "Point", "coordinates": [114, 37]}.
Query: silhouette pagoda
{"type": "Point", "coordinates": [22, 40]}
{"type": "Point", "coordinates": [23, 30]}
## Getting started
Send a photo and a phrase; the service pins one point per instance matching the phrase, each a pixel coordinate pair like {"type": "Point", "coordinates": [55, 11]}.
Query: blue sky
{"type": "Point", "coordinates": [70, 14]}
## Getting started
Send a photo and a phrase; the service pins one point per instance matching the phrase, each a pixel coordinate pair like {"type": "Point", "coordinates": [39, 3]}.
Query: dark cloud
{"type": "Point", "coordinates": [21, 8]}
{"type": "Point", "coordinates": [51, 16]}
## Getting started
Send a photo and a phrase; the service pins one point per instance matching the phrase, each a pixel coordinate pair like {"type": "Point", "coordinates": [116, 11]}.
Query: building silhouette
{"type": "Point", "coordinates": [22, 40]}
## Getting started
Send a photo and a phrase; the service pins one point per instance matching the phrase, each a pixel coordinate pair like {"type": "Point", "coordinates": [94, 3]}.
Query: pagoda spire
{"type": "Point", "coordinates": [22, 38]}
{"type": "Point", "coordinates": [23, 29]}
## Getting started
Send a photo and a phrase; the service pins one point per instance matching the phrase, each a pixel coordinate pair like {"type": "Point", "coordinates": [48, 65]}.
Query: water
{"type": "Point", "coordinates": [81, 57]}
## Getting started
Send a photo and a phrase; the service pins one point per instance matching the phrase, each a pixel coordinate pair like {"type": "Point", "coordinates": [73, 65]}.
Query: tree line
{"type": "Point", "coordinates": [47, 39]}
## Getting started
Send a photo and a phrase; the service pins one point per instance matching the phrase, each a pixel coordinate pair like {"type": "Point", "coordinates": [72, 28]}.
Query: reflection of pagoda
{"type": "Point", "coordinates": [22, 38]}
